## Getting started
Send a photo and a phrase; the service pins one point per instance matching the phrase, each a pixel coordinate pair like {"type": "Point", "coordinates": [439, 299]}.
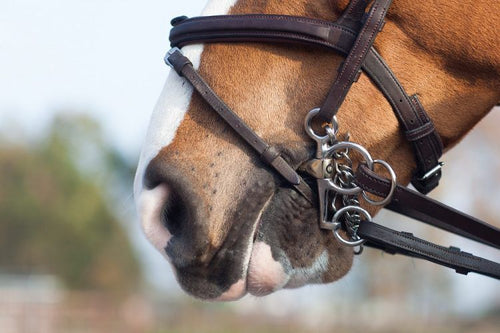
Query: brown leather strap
{"type": "Point", "coordinates": [280, 28]}
{"type": "Point", "coordinates": [351, 67]}
{"type": "Point", "coordinates": [427, 145]}
{"type": "Point", "coordinates": [269, 154]}
{"type": "Point", "coordinates": [261, 28]}
{"type": "Point", "coordinates": [353, 14]}
{"type": "Point", "coordinates": [415, 205]}
{"type": "Point", "coordinates": [404, 243]}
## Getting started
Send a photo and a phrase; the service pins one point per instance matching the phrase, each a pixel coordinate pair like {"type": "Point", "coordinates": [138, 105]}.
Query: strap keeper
{"type": "Point", "coordinates": [175, 59]}
{"type": "Point", "coordinates": [462, 271]}
{"type": "Point", "coordinates": [358, 74]}
{"type": "Point", "coordinates": [169, 53]}
{"type": "Point", "coordinates": [420, 132]}
{"type": "Point", "coordinates": [269, 154]}
{"type": "Point", "coordinates": [341, 66]}
{"type": "Point", "coordinates": [382, 25]}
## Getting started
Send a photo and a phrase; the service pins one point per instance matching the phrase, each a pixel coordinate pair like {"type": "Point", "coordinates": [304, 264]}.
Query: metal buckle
{"type": "Point", "coordinates": [169, 53]}
{"type": "Point", "coordinates": [432, 172]}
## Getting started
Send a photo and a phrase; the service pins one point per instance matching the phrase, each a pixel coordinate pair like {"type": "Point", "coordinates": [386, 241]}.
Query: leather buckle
{"type": "Point", "coordinates": [169, 53]}
{"type": "Point", "coordinates": [429, 180]}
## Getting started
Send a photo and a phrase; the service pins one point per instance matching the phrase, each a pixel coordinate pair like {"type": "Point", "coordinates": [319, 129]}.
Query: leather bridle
{"type": "Point", "coordinates": [338, 185]}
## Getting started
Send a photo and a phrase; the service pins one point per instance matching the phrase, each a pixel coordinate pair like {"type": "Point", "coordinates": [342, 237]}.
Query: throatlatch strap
{"type": "Point", "coordinates": [183, 66]}
{"type": "Point", "coordinates": [404, 243]}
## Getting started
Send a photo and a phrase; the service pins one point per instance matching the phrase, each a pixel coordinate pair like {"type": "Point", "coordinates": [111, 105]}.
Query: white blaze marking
{"type": "Point", "coordinates": [167, 116]}
{"type": "Point", "coordinates": [152, 203]}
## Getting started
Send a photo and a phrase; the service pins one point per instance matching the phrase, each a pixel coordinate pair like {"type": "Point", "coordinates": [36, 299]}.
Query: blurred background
{"type": "Point", "coordinates": [78, 81]}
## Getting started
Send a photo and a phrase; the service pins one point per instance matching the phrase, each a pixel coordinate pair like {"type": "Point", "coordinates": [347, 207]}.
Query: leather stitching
{"type": "Point", "coordinates": [430, 254]}
{"type": "Point", "coordinates": [357, 63]}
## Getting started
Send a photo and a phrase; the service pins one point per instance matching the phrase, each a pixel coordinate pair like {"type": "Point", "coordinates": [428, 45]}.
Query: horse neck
{"type": "Point", "coordinates": [455, 66]}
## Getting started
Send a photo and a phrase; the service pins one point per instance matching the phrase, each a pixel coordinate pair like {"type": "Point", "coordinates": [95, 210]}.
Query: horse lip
{"type": "Point", "coordinates": [257, 224]}
{"type": "Point", "coordinates": [239, 288]}
{"type": "Point", "coordinates": [258, 220]}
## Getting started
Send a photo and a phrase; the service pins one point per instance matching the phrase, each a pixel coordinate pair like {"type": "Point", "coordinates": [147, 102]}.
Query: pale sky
{"type": "Point", "coordinates": [100, 56]}
{"type": "Point", "coordinates": [105, 57]}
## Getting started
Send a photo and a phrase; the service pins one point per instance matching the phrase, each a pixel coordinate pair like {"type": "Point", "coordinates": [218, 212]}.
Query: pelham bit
{"type": "Point", "coordinates": [338, 195]}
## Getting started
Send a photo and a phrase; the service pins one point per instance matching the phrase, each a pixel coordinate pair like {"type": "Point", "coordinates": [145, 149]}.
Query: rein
{"type": "Point", "coordinates": [339, 186]}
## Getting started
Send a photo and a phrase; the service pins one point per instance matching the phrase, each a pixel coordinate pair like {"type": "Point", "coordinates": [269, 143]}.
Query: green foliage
{"type": "Point", "coordinates": [54, 210]}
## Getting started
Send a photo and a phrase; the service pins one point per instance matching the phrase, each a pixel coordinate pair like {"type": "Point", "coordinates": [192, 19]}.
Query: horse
{"type": "Point", "coordinates": [226, 223]}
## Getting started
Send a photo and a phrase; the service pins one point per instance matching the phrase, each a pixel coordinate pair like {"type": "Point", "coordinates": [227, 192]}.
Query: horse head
{"type": "Point", "coordinates": [228, 224]}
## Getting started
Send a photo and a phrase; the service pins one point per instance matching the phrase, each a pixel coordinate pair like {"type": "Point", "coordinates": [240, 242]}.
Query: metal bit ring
{"type": "Point", "coordinates": [318, 138]}
{"type": "Point", "coordinates": [360, 149]}
{"type": "Point", "coordinates": [337, 225]}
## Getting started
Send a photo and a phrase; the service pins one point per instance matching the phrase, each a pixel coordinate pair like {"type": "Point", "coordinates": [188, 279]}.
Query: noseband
{"type": "Point", "coordinates": [339, 187]}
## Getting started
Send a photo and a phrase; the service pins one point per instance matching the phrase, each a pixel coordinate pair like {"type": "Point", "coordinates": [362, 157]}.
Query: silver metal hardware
{"type": "Point", "coordinates": [433, 171]}
{"type": "Point", "coordinates": [332, 134]}
{"type": "Point", "coordinates": [319, 168]}
{"type": "Point", "coordinates": [359, 250]}
{"type": "Point", "coordinates": [356, 241]}
{"type": "Point", "coordinates": [354, 189]}
{"type": "Point", "coordinates": [388, 198]}
{"type": "Point", "coordinates": [169, 53]}
{"type": "Point", "coordinates": [322, 141]}
{"type": "Point", "coordinates": [337, 190]}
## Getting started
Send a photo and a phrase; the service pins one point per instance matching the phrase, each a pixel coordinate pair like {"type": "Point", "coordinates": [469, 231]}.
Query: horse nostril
{"type": "Point", "coordinates": [175, 213]}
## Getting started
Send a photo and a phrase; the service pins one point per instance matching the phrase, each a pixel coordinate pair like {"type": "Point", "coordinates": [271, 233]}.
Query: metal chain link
{"type": "Point", "coordinates": [344, 177]}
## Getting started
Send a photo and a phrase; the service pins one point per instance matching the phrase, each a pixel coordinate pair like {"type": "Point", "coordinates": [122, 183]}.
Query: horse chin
{"type": "Point", "coordinates": [267, 266]}
{"type": "Point", "coordinates": [290, 250]}
{"type": "Point", "coordinates": [275, 243]}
